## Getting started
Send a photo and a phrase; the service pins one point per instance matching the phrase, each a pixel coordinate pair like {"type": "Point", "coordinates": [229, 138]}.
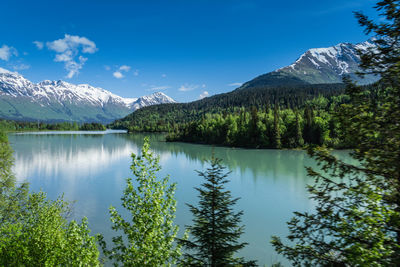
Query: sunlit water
{"type": "Point", "coordinates": [91, 170]}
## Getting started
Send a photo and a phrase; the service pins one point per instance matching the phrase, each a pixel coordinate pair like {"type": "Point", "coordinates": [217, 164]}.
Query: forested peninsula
{"type": "Point", "coordinates": [263, 117]}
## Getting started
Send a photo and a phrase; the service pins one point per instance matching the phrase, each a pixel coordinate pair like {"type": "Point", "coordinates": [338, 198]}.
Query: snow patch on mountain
{"type": "Point", "coordinates": [47, 92]}
{"type": "Point", "coordinates": [329, 64]}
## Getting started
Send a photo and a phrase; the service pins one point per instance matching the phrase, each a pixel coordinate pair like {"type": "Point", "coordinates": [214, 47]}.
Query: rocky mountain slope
{"type": "Point", "coordinates": [317, 66]}
{"type": "Point", "coordinates": [22, 99]}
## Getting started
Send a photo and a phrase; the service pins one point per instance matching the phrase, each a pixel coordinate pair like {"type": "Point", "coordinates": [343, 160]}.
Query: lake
{"type": "Point", "coordinates": [91, 169]}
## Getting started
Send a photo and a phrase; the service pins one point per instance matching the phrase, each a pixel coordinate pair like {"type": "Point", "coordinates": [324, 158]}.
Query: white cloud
{"type": "Point", "coordinates": [163, 75]}
{"type": "Point", "coordinates": [107, 67]}
{"type": "Point", "coordinates": [124, 68]}
{"type": "Point", "coordinates": [73, 67]}
{"type": "Point", "coordinates": [39, 44]}
{"type": "Point", "coordinates": [188, 87]}
{"type": "Point", "coordinates": [235, 84]}
{"type": "Point", "coordinates": [158, 88]}
{"type": "Point", "coordinates": [21, 67]}
{"type": "Point", "coordinates": [119, 72]}
{"type": "Point", "coordinates": [118, 75]}
{"type": "Point", "coordinates": [7, 51]}
{"type": "Point", "coordinates": [68, 49]}
{"type": "Point", "coordinates": [204, 94]}
{"type": "Point", "coordinates": [72, 42]}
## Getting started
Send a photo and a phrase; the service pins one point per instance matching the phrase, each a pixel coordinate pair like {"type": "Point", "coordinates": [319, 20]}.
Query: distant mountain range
{"type": "Point", "coordinates": [318, 66]}
{"type": "Point", "coordinates": [21, 99]}
{"type": "Point", "coordinates": [61, 101]}
{"type": "Point", "coordinates": [318, 72]}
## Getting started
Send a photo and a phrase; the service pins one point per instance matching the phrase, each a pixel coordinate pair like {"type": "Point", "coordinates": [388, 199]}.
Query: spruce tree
{"type": "Point", "coordinates": [277, 132]}
{"type": "Point", "coordinates": [214, 236]}
{"type": "Point", "coordinates": [357, 216]}
{"type": "Point", "coordinates": [299, 137]}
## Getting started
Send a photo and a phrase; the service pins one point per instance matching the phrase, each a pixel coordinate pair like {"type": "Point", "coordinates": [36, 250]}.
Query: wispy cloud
{"type": "Point", "coordinates": [136, 73]}
{"type": "Point", "coordinates": [188, 87]}
{"type": "Point", "coordinates": [118, 75]}
{"type": "Point", "coordinates": [158, 88]}
{"type": "Point", "coordinates": [7, 51]}
{"type": "Point", "coordinates": [203, 95]}
{"type": "Point", "coordinates": [235, 84]}
{"type": "Point", "coordinates": [39, 45]}
{"type": "Point", "coordinates": [125, 68]}
{"type": "Point", "coordinates": [106, 67]}
{"type": "Point", "coordinates": [21, 67]}
{"type": "Point", "coordinates": [68, 50]}
{"type": "Point", "coordinates": [163, 75]}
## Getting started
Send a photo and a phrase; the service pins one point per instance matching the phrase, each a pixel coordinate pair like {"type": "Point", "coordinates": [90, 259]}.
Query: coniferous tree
{"type": "Point", "coordinates": [299, 136]}
{"type": "Point", "coordinates": [308, 125]}
{"type": "Point", "coordinates": [216, 229]}
{"type": "Point", "coordinates": [357, 217]}
{"type": "Point", "coordinates": [253, 126]}
{"type": "Point", "coordinates": [277, 132]}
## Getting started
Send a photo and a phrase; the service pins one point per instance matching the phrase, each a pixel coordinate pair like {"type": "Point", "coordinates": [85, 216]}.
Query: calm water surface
{"type": "Point", "coordinates": [91, 170]}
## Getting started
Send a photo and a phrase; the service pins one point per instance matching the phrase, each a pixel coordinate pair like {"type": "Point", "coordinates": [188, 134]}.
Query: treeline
{"type": "Point", "coordinates": [272, 127]}
{"type": "Point", "coordinates": [164, 117]}
{"type": "Point", "coordinates": [18, 126]}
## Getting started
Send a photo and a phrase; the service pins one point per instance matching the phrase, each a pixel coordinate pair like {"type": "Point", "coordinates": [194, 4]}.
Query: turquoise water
{"type": "Point", "coordinates": [91, 170]}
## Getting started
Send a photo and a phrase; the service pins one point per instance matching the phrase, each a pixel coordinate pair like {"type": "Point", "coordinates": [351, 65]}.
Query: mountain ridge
{"type": "Point", "coordinates": [63, 101]}
{"type": "Point", "coordinates": [288, 87]}
{"type": "Point", "coordinates": [318, 66]}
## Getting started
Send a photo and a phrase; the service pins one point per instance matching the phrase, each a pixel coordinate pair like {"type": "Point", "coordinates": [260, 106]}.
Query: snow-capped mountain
{"type": "Point", "coordinates": [60, 100]}
{"type": "Point", "coordinates": [319, 65]}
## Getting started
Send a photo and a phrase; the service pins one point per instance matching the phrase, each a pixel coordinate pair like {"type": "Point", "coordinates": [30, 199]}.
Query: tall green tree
{"type": "Point", "coordinates": [150, 232]}
{"type": "Point", "coordinates": [276, 131]}
{"type": "Point", "coordinates": [216, 230]}
{"type": "Point", "coordinates": [299, 141]}
{"type": "Point", "coordinates": [357, 217]}
{"type": "Point", "coordinates": [253, 129]}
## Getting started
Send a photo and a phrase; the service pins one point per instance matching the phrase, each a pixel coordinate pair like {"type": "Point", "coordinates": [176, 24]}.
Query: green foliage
{"type": "Point", "coordinates": [278, 129]}
{"type": "Point", "coordinates": [167, 117]}
{"type": "Point", "coordinates": [357, 216]}
{"type": "Point", "coordinates": [11, 194]}
{"type": "Point", "coordinates": [34, 231]}
{"type": "Point", "coordinates": [276, 141]}
{"type": "Point", "coordinates": [216, 228]}
{"type": "Point", "coordinates": [150, 233]}
{"type": "Point", "coordinates": [41, 236]}
{"type": "Point", "coordinates": [21, 126]}
{"type": "Point", "coordinates": [348, 226]}
{"type": "Point", "coordinates": [94, 126]}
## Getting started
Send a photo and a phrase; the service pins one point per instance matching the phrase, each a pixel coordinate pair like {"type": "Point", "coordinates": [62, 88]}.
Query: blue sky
{"type": "Point", "coordinates": [187, 48]}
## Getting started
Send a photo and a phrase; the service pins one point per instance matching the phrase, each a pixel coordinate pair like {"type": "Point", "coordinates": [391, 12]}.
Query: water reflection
{"type": "Point", "coordinates": [91, 170]}
{"type": "Point", "coordinates": [70, 156]}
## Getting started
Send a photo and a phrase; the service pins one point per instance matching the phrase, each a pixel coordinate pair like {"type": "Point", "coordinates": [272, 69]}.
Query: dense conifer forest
{"type": "Point", "coordinates": [23, 126]}
{"type": "Point", "coordinates": [265, 117]}
{"type": "Point", "coordinates": [162, 118]}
